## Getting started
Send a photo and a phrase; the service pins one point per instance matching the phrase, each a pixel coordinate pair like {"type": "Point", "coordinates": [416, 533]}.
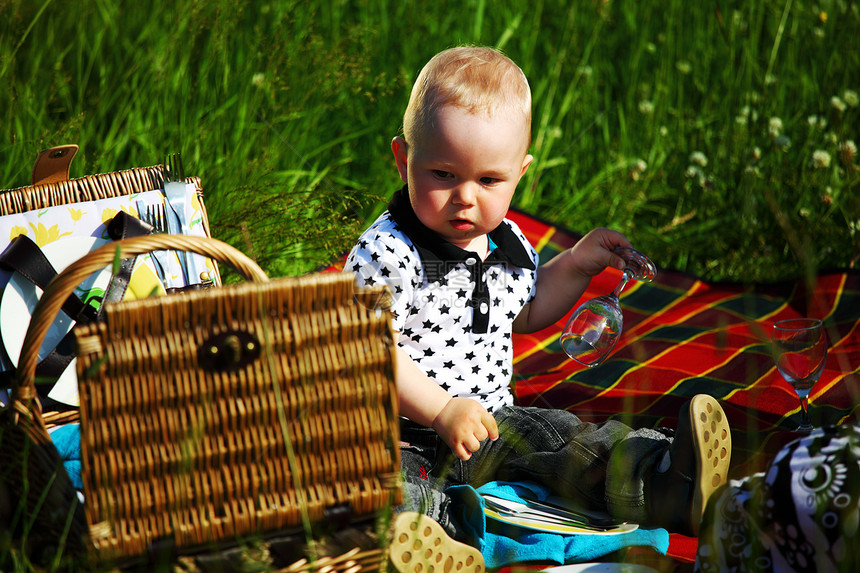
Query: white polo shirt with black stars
{"type": "Point", "coordinates": [454, 312]}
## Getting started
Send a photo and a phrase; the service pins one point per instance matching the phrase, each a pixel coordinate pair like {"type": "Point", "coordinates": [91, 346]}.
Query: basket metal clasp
{"type": "Point", "coordinates": [228, 351]}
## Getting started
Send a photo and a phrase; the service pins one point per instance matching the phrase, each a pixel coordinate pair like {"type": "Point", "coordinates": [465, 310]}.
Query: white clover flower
{"type": "Point", "coordinates": [646, 107]}
{"type": "Point", "coordinates": [818, 32]}
{"type": "Point", "coordinates": [684, 67]}
{"type": "Point", "coordinates": [774, 127]}
{"type": "Point", "coordinates": [816, 122]}
{"type": "Point", "coordinates": [638, 167]}
{"type": "Point", "coordinates": [769, 79]}
{"type": "Point", "coordinates": [585, 71]}
{"type": "Point", "coordinates": [756, 153]}
{"type": "Point", "coordinates": [651, 47]}
{"type": "Point", "coordinates": [693, 172]}
{"type": "Point", "coordinates": [804, 212]}
{"type": "Point", "coordinates": [820, 159]}
{"type": "Point", "coordinates": [832, 138]}
{"type": "Point", "coordinates": [258, 79]}
{"type": "Point", "coordinates": [837, 104]}
{"type": "Point", "coordinates": [741, 120]}
{"type": "Point", "coordinates": [851, 98]}
{"type": "Point", "coordinates": [847, 151]}
{"type": "Point", "coordinates": [698, 158]}
{"type": "Point", "coordinates": [664, 131]}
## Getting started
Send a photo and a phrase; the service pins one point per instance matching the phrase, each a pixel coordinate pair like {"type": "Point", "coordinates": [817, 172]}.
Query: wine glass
{"type": "Point", "coordinates": [800, 351]}
{"type": "Point", "coordinates": [595, 326]}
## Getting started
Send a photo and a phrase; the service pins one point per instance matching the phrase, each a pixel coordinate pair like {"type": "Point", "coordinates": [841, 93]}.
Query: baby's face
{"type": "Point", "coordinates": [463, 173]}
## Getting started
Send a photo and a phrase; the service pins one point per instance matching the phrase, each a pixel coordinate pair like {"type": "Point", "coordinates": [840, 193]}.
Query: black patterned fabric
{"type": "Point", "coordinates": [802, 514]}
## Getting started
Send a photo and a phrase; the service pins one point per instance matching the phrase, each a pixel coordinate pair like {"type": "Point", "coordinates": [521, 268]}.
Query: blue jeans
{"type": "Point", "coordinates": [603, 466]}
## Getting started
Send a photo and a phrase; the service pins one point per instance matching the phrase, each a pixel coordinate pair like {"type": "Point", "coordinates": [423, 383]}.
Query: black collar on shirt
{"type": "Point", "coordinates": [438, 256]}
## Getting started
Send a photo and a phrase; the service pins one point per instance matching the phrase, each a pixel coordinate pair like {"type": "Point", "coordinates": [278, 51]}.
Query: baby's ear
{"type": "Point", "coordinates": [527, 160]}
{"type": "Point", "coordinates": [400, 149]}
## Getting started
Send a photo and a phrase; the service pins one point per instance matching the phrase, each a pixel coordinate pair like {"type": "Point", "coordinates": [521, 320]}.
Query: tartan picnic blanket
{"type": "Point", "coordinates": [684, 336]}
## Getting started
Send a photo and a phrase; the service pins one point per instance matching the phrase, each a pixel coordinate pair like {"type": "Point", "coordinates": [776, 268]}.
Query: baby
{"type": "Point", "coordinates": [463, 278]}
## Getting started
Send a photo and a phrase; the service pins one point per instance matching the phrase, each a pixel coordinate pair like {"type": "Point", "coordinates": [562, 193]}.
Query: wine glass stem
{"type": "Point", "coordinates": [620, 286]}
{"type": "Point", "coordinates": [804, 412]}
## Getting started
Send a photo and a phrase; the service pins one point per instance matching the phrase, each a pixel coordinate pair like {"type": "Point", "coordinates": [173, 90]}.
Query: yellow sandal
{"type": "Point", "coordinates": [420, 545]}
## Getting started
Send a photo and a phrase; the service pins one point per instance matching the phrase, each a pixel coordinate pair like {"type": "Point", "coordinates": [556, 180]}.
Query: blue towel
{"type": "Point", "coordinates": [67, 440]}
{"type": "Point", "coordinates": [530, 545]}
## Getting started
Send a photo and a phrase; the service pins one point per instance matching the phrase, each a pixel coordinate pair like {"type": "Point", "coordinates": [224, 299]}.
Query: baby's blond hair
{"type": "Point", "coordinates": [480, 80]}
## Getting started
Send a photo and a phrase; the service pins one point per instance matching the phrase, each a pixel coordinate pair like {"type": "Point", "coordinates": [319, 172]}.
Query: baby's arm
{"type": "Point", "coordinates": [462, 423]}
{"type": "Point", "coordinates": [562, 280]}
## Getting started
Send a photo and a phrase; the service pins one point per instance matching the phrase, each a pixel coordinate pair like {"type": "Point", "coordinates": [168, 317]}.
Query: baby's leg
{"type": "Point", "coordinates": [570, 457]}
{"type": "Point", "coordinates": [423, 484]}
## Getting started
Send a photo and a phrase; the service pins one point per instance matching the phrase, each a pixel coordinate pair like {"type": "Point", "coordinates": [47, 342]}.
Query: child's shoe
{"type": "Point", "coordinates": [699, 463]}
{"type": "Point", "coordinates": [420, 545]}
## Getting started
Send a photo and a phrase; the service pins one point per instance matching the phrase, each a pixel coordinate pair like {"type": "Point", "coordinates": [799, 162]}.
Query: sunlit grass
{"type": "Point", "coordinates": [692, 130]}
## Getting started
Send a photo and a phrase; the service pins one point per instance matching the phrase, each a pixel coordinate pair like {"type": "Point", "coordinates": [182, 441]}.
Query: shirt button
{"type": "Point", "coordinates": [484, 308]}
{"type": "Point", "coordinates": [471, 261]}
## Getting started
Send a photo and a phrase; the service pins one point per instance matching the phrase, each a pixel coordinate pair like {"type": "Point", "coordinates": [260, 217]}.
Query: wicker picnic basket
{"type": "Point", "coordinates": [215, 415]}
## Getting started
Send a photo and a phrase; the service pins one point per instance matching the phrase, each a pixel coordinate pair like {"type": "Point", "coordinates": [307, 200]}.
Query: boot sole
{"type": "Point", "coordinates": [712, 444]}
{"type": "Point", "coordinates": [420, 545]}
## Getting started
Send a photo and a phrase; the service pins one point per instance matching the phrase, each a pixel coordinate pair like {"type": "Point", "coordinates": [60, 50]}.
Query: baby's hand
{"type": "Point", "coordinates": [594, 252]}
{"type": "Point", "coordinates": [463, 424]}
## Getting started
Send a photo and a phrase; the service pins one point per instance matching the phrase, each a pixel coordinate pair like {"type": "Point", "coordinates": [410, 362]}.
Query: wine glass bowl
{"type": "Point", "coordinates": [592, 330]}
{"type": "Point", "coordinates": [799, 349]}
{"type": "Point", "coordinates": [595, 326]}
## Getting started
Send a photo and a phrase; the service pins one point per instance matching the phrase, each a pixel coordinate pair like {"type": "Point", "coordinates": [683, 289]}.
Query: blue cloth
{"type": "Point", "coordinates": [530, 545]}
{"type": "Point", "coordinates": [67, 440]}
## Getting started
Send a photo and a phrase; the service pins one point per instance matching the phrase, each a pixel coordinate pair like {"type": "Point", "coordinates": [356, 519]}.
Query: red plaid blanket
{"type": "Point", "coordinates": [684, 336]}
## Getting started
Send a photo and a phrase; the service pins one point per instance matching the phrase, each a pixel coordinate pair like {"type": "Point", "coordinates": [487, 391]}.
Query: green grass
{"type": "Point", "coordinates": [286, 109]}
{"type": "Point", "coordinates": [715, 135]}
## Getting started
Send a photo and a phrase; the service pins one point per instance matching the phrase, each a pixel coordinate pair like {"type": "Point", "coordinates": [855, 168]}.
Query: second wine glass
{"type": "Point", "coordinates": [595, 326]}
{"type": "Point", "coordinates": [800, 351]}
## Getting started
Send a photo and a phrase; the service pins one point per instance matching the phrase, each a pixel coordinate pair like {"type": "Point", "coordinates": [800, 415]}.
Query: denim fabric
{"type": "Point", "coordinates": [602, 466]}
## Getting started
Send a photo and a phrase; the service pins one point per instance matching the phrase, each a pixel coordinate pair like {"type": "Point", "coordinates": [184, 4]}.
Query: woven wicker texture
{"type": "Point", "coordinates": [353, 561]}
{"type": "Point", "coordinates": [214, 415]}
{"type": "Point", "coordinates": [89, 188]}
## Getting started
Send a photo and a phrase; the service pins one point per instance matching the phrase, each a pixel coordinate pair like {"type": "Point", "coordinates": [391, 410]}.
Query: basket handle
{"type": "Point", "coordinates": [59, 289]}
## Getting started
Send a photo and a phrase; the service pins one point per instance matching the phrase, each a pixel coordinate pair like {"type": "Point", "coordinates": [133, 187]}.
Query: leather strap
{"type": "Point", "coordinates": [25, 256]}
{"type": "Point", "coordinates": [124, 225]}
{"type": "Point", "coordinates": [121, 226]}
{"type": "Point", "coordinates": [52, 165]}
